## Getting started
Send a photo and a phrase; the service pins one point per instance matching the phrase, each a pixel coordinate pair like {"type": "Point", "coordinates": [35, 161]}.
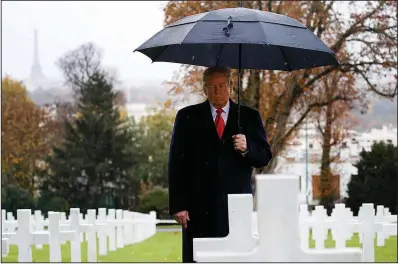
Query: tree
{"type": "Point", "coordinates": [92, 166]}
{"type": "Point", "coordinates": [365, 45]}
{"type": "Point", "coordinates": [336, 121]}
{"type": "Point", "coordinates": [27, 132]}
{"type": "Point", "coordinates": [376, 179]}
{"type": "Point", "coordinates": [152, 139]}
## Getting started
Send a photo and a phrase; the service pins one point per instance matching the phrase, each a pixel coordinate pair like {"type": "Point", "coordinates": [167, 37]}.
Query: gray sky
{"type": "Point", "coordinates": [116, 27]}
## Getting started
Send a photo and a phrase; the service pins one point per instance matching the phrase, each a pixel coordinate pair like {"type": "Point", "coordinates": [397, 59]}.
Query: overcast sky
{"type": "Point", "coordinates": [116, 27]}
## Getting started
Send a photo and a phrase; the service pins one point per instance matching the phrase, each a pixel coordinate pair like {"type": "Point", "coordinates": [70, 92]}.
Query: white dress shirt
{"type": "Point", "coordinates": [224, 114]}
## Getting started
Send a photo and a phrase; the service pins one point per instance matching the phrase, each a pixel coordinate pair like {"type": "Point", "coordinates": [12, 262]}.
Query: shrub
{"type": "Point", "coordinates": [47, 203]}
{"type": "Point", "coordinates": [376, 180]}
{"type": "Point", "coordinates": [155, 199]}
{"type": "Point", "coordinates": [14, 198]}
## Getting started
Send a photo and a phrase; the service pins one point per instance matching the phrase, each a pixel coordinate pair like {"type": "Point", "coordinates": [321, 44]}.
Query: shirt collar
{"type": "Point", "coordinates": [225, 108]}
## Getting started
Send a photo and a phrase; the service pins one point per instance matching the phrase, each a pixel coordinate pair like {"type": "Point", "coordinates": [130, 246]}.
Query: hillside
{"type": "Point", "coordinates": [382, 111]}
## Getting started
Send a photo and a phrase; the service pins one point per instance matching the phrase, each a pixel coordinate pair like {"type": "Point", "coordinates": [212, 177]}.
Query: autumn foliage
{"type": "Point", "coordinates": [26, 134]}
{"type": "Point", "coordinates": [364, 39]}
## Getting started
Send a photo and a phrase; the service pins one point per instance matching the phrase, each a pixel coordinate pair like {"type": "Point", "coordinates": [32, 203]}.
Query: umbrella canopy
{"type": "Point", "coordinates": [239, 38]}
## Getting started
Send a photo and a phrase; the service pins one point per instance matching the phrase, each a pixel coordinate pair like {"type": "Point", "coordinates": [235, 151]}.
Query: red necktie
{"type": "Point", "coordinates": [220, 125]}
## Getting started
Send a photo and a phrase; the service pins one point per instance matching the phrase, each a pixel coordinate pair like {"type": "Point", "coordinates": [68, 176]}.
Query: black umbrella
{"type": "Point", "coordinates": [239, 38]}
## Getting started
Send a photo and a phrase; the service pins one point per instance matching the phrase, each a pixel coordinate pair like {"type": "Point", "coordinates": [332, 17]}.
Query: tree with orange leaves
{"type": "Point", "coordinates": [364, 42]}
{"type": "Point", "coordinates": [336, 121]}
{"type": "Point", "coordinates": [26, 134]}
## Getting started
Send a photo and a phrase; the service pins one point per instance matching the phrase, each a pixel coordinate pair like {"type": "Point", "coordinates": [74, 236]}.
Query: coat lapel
{"type": "Point", "coordinates": [208, 118]}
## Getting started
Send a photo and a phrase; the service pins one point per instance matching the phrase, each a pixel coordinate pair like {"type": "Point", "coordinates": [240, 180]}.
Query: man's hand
{"type": "Point", "coordinates": [182, 218]}
{"type": "Point", "coordinates": [240, 142]}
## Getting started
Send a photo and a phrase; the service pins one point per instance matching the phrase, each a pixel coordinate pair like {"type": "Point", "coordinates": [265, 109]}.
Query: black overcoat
{"type": "Point", "coordinates": [204, 169]}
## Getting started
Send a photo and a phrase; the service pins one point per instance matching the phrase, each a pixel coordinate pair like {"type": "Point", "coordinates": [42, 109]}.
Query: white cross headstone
{"type": "Point", "coordinates": [152, 216]}
{"type": "Point", "coordinates": [367, 217]}
{"type": "Point", "coordinates": [240, 237]}
{"type": "Point", "coordinates": [10, 224]}
{"type": "Point", "coordinates": [278, 218]}
{"type": "Point", "coordinates": [110, 218]}
{"type": "Point", "coordinates": [10, 216]}
{"type": "Point", "coordinates": [63, 217]}
{"type": "Point", "coordinates": [25, 237]}
{"type": "Point", "coordinates": [390, 229]}
{"type": "Point", "coordinates": [3, 221]}
{"type": "Point", "coordinates": [119, 228]}
{"type": "Point", "coordinates": [136, 227]}
{"type": "Point", "coordinates": [57, 236]}
{"type": "Point", "coordinates": [103, 233]}
{"type": "Point", "coordinates": [4, 246]}
{"type": "Point", "coordinates": [38, 224]}
{"type": "Point", "coordinates": [380, 239]}
{"type": "Point", "coordinates": [340, 230]}
{"type": "Point", "coordinates": [91, 236]}
{"type": "Point", "coordinates": [351, 223]}
{"type": "Point", "coordinates": [387, 211]}
{"type": "Point", "coordinates": [74, 217]}
{"type": "Point", "coordinates": [80, 228]}
{"type": "Point", "coordinates": [319, 230]}
{"type": "Point", "coordinates": [128, 228]}
{"type": "Point", "coordinates": [304, 216]}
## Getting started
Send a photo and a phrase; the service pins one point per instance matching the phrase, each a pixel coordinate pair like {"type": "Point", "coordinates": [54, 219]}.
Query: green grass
{"type": "Point", "coordinates": [388, 253]}
{"type": "Point", "coordinates": [163, 247]}
{"type": "Point", "coordinates": [166, 247]}
{"type": "Point", "coordinates": [168, 226]}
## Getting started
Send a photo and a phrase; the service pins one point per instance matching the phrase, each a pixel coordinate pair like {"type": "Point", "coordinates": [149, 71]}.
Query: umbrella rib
{"type": "Point", "coordinates": [285, 58]}
{"type": "Point", "coordinates": [160, 53]}
{"type": "Point", "coordinates": [219, 54]}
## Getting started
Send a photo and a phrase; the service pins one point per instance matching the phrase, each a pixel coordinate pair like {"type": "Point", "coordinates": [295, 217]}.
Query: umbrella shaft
{"type": "Point", "coordinates": [239, 85]}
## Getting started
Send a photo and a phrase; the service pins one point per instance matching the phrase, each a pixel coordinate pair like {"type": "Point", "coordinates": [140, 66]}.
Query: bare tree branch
{"type": "Point", "coordinates": [320, 128]}
{"type": "Point", "coordinates": [374, 89]}
{"type": "Point", "coordinates": [309, 109]}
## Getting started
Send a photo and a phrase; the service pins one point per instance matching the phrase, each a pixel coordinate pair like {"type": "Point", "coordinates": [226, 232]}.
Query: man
{"type": "Point", "coordinates": [209, 159]}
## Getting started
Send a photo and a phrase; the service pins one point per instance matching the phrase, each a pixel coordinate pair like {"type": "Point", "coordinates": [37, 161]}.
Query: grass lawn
{"type": "Point", "coordinates": [166, 247]}
{"type": "Point", "coordinates": [388, 253]}
{"type": "Point", "coordinates": [168, 226]}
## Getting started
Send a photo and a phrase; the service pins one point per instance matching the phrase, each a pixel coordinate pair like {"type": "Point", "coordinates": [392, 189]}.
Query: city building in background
{"type": "Point", "coordinates": [294, 161]}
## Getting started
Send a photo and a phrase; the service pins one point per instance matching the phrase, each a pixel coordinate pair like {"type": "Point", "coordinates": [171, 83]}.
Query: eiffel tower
{"type": "Point", "coordinates": [36, 79]}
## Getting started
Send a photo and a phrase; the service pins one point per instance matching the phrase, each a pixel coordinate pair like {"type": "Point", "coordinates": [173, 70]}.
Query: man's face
{"type": "Point", "coordinates": [217, 89]}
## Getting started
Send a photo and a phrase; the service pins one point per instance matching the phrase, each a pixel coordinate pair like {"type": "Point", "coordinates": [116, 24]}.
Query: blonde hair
{"type": "Point", "coordinates": [211, 70]}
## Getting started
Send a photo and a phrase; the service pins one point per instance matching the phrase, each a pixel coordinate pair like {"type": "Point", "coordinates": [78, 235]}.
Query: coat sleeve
{"type": "Point", "coordinates": [177, 166]}
{"type": "Point", "coordinates": [259, 151]}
